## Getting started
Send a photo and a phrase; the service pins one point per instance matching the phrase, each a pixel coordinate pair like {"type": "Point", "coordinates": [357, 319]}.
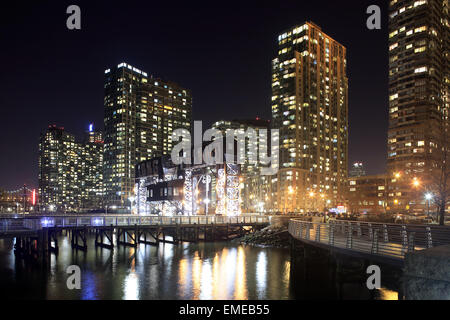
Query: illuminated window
{"type": "Point", "coordinates": [420, 70]}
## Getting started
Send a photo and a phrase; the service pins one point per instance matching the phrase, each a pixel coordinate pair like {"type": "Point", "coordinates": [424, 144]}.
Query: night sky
{"type": "Point", "coordinates": [221, 51]}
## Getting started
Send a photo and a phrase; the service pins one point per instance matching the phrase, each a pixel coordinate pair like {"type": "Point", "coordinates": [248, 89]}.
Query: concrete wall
{"type": "Point", "coordinates": [427, 274]}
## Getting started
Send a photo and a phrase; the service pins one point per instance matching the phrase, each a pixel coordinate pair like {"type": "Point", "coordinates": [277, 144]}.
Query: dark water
{"type": "Point", "coordinates": [185, 271]}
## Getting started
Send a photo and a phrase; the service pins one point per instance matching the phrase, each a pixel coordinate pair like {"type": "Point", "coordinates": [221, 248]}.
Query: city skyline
{"type": "Point", "coordinates": [209, 153]}
{"type": "Point", "coordinates": [233, 89]}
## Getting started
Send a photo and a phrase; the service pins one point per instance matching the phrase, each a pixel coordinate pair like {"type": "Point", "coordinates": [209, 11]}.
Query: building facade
{"type": "Point", "coordinates": [255, 188]}
{"type": "Point", "coordinates": [384, 193]}
{"type": "Point", "coordinates": [140, 114]}
{"type": "Point", "coordinates": [368, 194]}
{"type": "Point", "coordinates": [22, 200]}
{"type": "Point", "coordinates": [418, 92]}
{"type": "Point", "coordinates": [70, 172]}
{"type": "Point", "coordinates": [164, 188]}
{"type": "Point", "coordinates": [310, 108]}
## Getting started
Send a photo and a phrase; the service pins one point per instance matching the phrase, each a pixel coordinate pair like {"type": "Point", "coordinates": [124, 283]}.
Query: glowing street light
{"type": "Point", "coordinates": [291, 190]}
{"type": "Point", "coordinates": [416, 182]}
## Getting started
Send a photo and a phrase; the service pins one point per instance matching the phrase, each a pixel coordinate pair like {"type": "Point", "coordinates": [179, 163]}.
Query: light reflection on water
{"type": "Point", "coordinates": [186, 271]}
{"type": "Point", "coordinates": [386, 294]}
{"type": "Point", "coordinates": [205, 271]}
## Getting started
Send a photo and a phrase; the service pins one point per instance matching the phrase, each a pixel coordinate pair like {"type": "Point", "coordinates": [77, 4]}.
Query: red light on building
{"type": "Point", "coordinates": [33, 197]}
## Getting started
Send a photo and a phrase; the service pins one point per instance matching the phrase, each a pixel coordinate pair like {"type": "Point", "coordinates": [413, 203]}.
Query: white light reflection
{"type": "Point", "coordinates": [207, 282]}
{"type": "Point", "coordinates": [131, 287]}
{"type": "Point", "coordinates": [261, 274]}
{"type": "Point", "coordinates": [131, 284]}
{"type": "Point", "coordinates": [241, 278]}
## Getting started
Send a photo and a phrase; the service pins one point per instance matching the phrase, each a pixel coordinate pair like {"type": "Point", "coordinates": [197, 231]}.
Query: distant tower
{"type": "Point", "coordinates": [357, 170]}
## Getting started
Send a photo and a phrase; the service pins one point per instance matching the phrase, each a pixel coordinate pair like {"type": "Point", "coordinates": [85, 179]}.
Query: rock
{"type": "Point", "coordinates": [274, 236]}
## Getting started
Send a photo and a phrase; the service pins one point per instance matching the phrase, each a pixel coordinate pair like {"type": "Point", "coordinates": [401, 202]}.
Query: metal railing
{"type": "Point", "coordinates": [391, 240]}
{"type": "Point", "coordinates": [36, 223]}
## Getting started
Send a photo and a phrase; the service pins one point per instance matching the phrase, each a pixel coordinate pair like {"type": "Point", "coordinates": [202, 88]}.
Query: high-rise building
{"type": "Point", "coordinates": [92, 169]}
{"type": "Point", "coordinates": [418, 90]}
{"type": "Point", "coordinates": [70, 172]}
{"type": "Point", "coordinates": [140, 114]}
{"type": "Point", "coordinates": [251, 147]}
{"type": "Point", "coordinates": [418, 71]}
{"type": "Point", "coordinates": [310, 108]}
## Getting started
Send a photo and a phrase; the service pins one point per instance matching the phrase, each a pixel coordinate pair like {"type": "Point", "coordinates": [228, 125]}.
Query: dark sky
{"type": "Point", "coordinates": [222, 51]}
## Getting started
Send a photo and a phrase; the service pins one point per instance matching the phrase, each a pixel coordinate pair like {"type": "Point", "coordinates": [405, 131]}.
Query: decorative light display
{"type": "Point", "coordinates": [220, 189]}
{"type": "Point", "coordinates": [232, 187]}
{"type": "Point", "coordinates": [141, 197]}
{"type": "Point", "coordinates": [188, 210]}
{"type": "Point", "coordinates": [227, 189]}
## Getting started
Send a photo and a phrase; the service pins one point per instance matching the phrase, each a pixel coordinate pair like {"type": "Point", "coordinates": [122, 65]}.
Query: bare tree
{"type": "Point", "coordinates": [439, 172]}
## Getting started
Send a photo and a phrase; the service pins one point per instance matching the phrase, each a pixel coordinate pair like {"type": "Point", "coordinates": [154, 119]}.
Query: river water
{"type": "Point", "coordinates": [202, 271]}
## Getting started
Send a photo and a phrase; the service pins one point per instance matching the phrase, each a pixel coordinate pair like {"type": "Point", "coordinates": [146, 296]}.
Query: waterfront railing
{"type": "Point", "coordinates": [66, 221]}
{"type": "Point", "coordinates": [390, 240]}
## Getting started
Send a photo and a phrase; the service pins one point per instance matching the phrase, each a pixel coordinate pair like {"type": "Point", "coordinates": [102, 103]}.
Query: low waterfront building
{"type": "Point", "coordinates": [164, 188]}
{"type": "Point", "coordinates": [386, 193]}
{"type": "Point", "coordinates": [367, 194]}
{"type": "Point", "coordinates": [22, 200]}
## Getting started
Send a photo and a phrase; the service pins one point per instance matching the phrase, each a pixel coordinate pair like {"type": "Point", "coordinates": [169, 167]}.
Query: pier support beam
{"type": "Point", "coordinates": [79, 241]}
{"type": "Point", "coordinates": [101, 234]}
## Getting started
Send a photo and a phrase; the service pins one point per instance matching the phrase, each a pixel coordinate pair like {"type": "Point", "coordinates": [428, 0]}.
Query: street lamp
{"type": "Point", "coordinates": [416, 182]}
{"type": "Point", "coordinates": [131, 199]}
{"type": "Point", "coordinates": [311, 195]}
{"type": "Point", "coordinates": [291, 190]}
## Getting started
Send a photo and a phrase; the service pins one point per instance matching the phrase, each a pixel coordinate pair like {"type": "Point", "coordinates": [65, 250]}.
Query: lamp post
{"type": "Point", "coordinates": [290, 200]}
{"type": "Point", "coordinates": [131, 199]}
{"type": "Point", "coordinates": [428, 197]}
{"type": "Point", "coordinates": [324, 201]}
{"type": "Point", "coordinates": [311, 195]}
